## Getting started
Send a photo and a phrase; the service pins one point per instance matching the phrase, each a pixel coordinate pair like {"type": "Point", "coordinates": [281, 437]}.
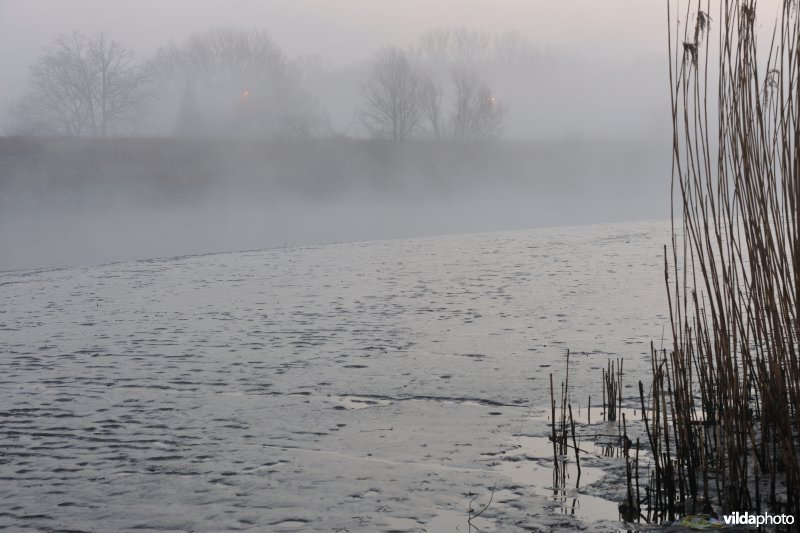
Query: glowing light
{"type": "Point", "coordinates": [246, 93]}
{"type": "Point", "coordinates": [492, 99]}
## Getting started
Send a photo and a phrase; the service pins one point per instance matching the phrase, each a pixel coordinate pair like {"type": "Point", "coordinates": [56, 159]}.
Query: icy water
{"type": "Point", "coordinates": [371, 387]}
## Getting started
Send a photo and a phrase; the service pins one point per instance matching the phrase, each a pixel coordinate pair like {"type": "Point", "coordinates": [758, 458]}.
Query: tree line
{"type": "Point", "coordinates": [234, 82]}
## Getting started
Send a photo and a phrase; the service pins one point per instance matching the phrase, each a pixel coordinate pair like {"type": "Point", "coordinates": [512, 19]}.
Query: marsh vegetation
{"type": "Point", "coordinates": [725, 396]}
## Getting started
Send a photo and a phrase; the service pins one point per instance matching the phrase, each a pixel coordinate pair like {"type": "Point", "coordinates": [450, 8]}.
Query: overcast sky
{"type": "Point", "coordinates": [339, 31]}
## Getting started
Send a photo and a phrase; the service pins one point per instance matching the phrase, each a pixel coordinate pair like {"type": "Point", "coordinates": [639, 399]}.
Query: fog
{"type": "Point", "coordinates": [130, 233]}
{"type": "Point", "coordinates": [592, 61]}
{"type": "Point", "coordinates": [80, 202]}
{"type": "Point", "coordinates": [537, 114]}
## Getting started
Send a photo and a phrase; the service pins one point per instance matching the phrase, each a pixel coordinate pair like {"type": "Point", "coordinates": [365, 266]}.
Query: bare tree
{"type": "Point", "coordinates": [83, 86]}
{"type": "Point", "coordinates": [463, 46]}
{"type": "Point", "coordinates": [434, 45]}
{"type": "Point", "coordinates": [512, 49]}
{"type": "Point", "coordinates": [189, 121]}
{"type": "Point", "coordinates": [430, 95]}
{"type": "Point", "coordinates": [393, 107]}
{"type": "Point", "coordinates": [220, 54]}
{"type": "Point", "coordinates": [238, 82]}
{"type": "Point", "coordinates": [476, 112]}
{"type": "Point", "coordinates": [470, 46]}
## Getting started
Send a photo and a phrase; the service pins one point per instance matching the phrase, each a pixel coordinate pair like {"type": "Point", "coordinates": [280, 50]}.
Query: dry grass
{"type": "Point", "coordinates": [724, 407]}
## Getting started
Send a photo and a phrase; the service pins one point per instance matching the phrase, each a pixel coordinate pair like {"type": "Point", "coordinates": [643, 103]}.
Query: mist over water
{"type": "Point", "coordinates": [326, 254]}
{"type": "Point", "coordinates": [253, 127]}
{"type": "Point", "coordinates": [106, 234]}
{"type": "Point", "coordinates": [81, 203]}
{"type": "Point", "coordinates": [319, 265]}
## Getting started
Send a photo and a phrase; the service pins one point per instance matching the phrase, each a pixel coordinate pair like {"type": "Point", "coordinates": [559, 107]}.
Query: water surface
{"type": "Point", "coordinates": [372, 386]}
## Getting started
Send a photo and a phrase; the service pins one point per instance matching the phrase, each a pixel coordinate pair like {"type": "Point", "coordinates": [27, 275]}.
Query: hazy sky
{"type": "Point", "coordinates": [339, 31]}
{"type": "Point", "coordinates": [614, 87]}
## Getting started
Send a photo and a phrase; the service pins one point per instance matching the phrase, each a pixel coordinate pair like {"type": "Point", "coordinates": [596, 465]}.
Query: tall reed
{"type": "Point", "coordinates": [724, 407]}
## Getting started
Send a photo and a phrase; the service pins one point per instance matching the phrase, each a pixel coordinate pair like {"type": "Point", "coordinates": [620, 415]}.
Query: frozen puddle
{"type": "Point", "coordinates": [531, 463]}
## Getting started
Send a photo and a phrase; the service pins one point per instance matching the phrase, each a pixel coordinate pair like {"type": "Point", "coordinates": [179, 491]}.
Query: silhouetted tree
{"type": "Point", "coordinates": [476, 112]}
{"type": "Point", "coordinates": [220, 54]}
{"type": "Point", "coordinates": [240, 83]}
{"type": "Point", "coordinates": [430, 95]}
{"type": "Point", "coordinates": [83, 86]}
{"type": "Point", "coordinates": [393, 107]}
{"type": "Point", "coordinates": [188, 123]}
{"type": "Point", "coordinates": [466, 47]}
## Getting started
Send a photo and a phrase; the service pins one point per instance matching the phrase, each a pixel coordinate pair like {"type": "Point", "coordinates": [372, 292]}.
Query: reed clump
{"type": "Point", "coordinates": [724, 406]}
{"type": "Point", "coordinates": [562, 429]}
{"type": "Point", "coordinates": [612, 390]}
